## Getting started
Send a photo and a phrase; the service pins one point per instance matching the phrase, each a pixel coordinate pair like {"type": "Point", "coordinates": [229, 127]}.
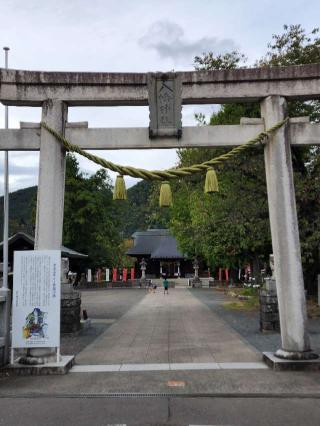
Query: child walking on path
{"type": "Point", "coordinates": [165, 286]}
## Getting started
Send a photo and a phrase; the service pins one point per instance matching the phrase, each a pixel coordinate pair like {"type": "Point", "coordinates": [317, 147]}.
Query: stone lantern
{"type": "Point", "coordinates": [143, 267]}
{"type": "Point", "coordinates": [196, 282]}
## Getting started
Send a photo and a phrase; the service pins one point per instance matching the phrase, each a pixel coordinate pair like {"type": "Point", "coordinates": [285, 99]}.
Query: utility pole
{"type": "Point", "coordinates": [6, 194]}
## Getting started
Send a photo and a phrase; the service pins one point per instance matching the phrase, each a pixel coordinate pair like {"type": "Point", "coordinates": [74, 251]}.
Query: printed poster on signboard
{"type": "Point", "coordinates": [36, 299]}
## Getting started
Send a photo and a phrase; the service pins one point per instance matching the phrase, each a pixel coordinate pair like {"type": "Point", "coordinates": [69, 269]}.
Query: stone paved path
{"type": "Point", "coordinates": [178, 328]}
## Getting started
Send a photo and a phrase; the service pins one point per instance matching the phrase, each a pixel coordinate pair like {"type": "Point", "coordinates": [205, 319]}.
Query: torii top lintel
{"type": "Point", "coordinates": [31, 88]}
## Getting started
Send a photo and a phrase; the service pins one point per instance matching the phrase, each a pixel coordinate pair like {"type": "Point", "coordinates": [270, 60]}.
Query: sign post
{"type": "Point", "coordinates": [36, 300]}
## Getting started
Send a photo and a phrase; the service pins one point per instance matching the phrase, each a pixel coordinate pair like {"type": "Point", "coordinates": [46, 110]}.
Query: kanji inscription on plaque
{"type": "Point", "coordinates": [165, 105]}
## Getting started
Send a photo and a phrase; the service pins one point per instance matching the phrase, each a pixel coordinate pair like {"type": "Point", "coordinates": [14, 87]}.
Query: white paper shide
{"type": "Point", "coordinates": [36, 299]}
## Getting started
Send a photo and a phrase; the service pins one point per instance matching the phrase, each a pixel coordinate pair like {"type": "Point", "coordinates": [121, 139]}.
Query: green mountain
{"type": "Point", "coordinates": [135, 212]}
{"type": "Point", "coordinates": [21, 207]}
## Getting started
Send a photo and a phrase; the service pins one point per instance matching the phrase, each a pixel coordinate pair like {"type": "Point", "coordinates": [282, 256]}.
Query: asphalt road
{"type": "Point", "coordinates": [159, 411]}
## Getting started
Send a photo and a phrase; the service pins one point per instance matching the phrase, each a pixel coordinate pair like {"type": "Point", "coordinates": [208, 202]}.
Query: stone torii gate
{"type": "Point", "coordinates": [272, 87]}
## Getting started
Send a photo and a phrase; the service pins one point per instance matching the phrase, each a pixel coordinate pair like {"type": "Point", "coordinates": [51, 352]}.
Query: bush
{"type": "Point", "coordinates": [250, 291]}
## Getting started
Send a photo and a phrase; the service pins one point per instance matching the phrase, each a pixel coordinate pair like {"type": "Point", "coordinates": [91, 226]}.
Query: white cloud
{"type": "Point", "coordinates": [131, 36]}
{"type": "Point", "coordinates": [169, 40]}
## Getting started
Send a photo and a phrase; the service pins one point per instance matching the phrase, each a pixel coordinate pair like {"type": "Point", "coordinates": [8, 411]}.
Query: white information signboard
{"type": "Point", "coordinates": [36, 299]}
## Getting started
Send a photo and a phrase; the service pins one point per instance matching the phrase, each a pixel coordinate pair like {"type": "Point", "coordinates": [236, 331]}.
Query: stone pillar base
{"type": "Point", "coordinates": [70, 309]}
{"type": "Point", "coordinates": [50, 368]}
{"type": "Point", "coordinates": [296, 356]}
{"type": "Point", "coordinates": [196, 282]}
{"type": "Point", "coordinates": [32, 359]}
{"type": "Point", "coordinates": [281, 364]}
{"type": "Point", "coordinates": [38, 356]}
{"type": "Point", "coordinates": [143, 282]}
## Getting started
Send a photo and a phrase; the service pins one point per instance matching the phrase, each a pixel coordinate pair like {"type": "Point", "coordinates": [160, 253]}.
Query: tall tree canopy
{"type": "Point", "coordinates": [231, 228]}
{"type": "Point", "coordinates": [91, 219]}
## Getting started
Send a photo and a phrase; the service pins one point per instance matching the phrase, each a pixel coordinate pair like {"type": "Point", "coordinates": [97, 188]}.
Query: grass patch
{"type": "Point", "coordinates": [251, 304]}
{"type": "Point", "coordinates": [313, 309]}
{"type": "Point", "coordinates": [250, 291]}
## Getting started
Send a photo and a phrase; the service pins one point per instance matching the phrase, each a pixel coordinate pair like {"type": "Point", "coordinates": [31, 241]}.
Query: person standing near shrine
{"type": "Point", "coordinates": [165, 285]}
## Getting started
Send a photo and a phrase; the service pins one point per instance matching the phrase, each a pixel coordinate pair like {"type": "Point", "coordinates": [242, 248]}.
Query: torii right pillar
{"type": "Point", "coordinates": [285, 235]}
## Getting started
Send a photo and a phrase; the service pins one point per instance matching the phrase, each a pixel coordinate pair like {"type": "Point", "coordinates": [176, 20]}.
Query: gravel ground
{"type": "Point", "coordinates": [100, 305]}
{"type": "Point", "coordinates": [247, 323]}
{"type": "Point", "coordinates": [111, 303]}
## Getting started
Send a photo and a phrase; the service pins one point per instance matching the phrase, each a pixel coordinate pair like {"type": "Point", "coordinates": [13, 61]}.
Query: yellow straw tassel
{"type": "Point", "coordinates": [211, 184]}
{"type": "Point", "coordinates": [165, 199]}
{"type": "Point", "coordinates": [119, 192]}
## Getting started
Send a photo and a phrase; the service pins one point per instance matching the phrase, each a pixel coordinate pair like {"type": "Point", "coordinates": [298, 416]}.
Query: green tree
{"type": "Point", "coordinates": [229, 228]}
{"type": "Point", "coordinates": [295, 47]}
{"type": "Point", "coordinates": [136, 210]}
{"type": "Point", "coordinates": [91, 220]}
{"type": "Point", "coordinates": [232, 227]}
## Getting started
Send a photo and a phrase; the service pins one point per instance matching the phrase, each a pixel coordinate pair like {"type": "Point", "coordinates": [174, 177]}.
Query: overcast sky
{"type": "Point", "coordinates": [127, 36]}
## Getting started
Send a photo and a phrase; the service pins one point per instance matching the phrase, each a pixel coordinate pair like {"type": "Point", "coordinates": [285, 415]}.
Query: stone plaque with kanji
{"type": "Point", "coordinates": [164, 91]}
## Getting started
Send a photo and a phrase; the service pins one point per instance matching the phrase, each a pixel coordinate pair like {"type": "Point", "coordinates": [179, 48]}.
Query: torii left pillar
{"type": "Point", "coordinates": [50, 199]}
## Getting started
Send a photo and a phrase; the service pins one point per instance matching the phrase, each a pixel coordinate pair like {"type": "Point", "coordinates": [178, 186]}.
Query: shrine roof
{"type": "Point", "coordinates": [22, 236]}
{"type": "Point", "coordinates": [156, 244]}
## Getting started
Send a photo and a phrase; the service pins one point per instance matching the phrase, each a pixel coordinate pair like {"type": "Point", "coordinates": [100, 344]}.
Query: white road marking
{"type": "Point", "coordinates": [169, 367]}
{"type": "Point", "coordinates": [95, 368]}
{"type": "Point", "coordinates": [243, 365]}
{"type": "Point", "coordinates": [102, 321]}
{"type": "Point", "coordinates": [195, 366]}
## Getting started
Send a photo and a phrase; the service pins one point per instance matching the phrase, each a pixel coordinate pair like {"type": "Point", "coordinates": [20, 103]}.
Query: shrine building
{"type": "Point", "coordinates": [160, 250]}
